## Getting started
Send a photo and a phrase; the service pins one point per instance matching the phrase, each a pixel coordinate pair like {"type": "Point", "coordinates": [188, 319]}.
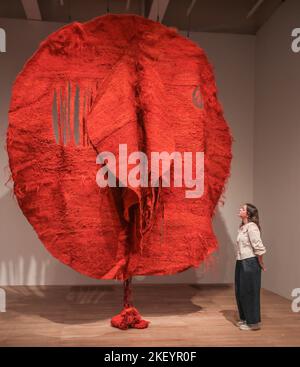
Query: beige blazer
{"type": "Point", "coordinates": [249, 242]}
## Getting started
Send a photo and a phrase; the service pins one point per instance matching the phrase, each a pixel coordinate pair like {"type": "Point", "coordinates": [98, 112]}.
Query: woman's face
{"type": "Point", "coordinates": [243, 211]}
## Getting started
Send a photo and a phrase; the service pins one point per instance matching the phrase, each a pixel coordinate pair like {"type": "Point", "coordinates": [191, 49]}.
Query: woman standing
{"type": "Point", "coordinates": [249, 262]}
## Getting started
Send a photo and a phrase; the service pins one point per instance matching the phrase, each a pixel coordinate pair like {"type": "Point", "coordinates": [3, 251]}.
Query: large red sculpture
{"type": "Point", "coordinates": [117, 79]}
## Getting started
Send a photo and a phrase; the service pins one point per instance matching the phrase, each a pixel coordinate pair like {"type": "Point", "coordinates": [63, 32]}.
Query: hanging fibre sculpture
{"type": "Point", "coordinates": [117, 79]}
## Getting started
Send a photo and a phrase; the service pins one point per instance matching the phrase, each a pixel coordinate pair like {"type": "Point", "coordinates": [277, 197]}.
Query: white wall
{"type": "Point", "coordinates": [277, 147]}
{"type": "Point", "coordinates": [23, 258]}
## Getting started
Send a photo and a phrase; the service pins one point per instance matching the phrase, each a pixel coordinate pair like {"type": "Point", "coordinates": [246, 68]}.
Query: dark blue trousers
{"type": "Point", "coordinates": [247, 289]}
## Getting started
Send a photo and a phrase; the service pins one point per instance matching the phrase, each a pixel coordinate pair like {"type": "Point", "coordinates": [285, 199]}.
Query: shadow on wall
{"type": "Point", "coordinates": [25, 261]}
{"type": "Point", "coordinates": [225, 258]}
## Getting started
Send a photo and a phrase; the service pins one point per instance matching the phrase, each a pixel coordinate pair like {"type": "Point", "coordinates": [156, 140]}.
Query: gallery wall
{"type": "Point", "coordinates": [277, 147]}
{"type": "Point", "coordinates": [23, 258]}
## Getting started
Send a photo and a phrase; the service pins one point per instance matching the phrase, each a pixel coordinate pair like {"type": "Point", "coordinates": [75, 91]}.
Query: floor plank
{"type": "Point", "coordinates": [180, 315]}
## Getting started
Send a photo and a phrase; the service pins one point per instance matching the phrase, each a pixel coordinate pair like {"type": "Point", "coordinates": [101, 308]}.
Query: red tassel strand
{"type": "Point", "coordinates": [129, 317]}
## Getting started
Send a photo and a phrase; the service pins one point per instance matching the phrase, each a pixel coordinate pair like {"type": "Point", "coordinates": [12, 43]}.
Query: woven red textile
{"type": "Point", "coordinates": [129, 318]}
{"type": "Point", "coordinates": [133, 80]}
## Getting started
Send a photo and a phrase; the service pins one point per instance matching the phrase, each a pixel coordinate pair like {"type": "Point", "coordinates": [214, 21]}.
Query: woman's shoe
{"type": "Point", "coordinates": [241, 322]}
{"type": "Point", "coordinates": [249, 327]}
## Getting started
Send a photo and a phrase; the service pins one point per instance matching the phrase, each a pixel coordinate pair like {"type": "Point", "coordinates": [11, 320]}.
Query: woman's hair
{"type": "Point", "coordinates": [252, 213]}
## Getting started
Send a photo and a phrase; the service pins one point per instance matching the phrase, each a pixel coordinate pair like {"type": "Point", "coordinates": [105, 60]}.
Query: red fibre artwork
{"type": "Point", "coordinates": [117, 79]}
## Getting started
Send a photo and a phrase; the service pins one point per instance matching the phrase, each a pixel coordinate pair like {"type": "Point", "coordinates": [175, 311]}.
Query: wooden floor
{"type": "Point", "coordinates": [180, 315]}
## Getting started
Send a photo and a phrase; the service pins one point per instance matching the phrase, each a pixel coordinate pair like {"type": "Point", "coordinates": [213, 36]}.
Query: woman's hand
{"type": "Point", "coordinates": [261, 262]}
